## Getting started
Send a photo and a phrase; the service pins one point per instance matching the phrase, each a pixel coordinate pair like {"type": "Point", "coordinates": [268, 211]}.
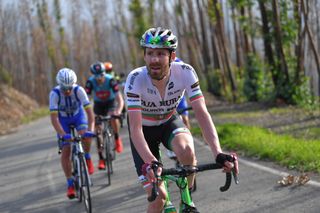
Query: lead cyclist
{"type": "Point", "coordinates": [152, 94]}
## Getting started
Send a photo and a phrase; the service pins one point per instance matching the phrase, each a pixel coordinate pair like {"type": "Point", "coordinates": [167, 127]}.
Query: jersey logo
{"type": "Point", "coordinates": [132, 95]}
{"type": "Point", "coordinates": [195, 85]}
{"type": "Point", "coordinates": [133, 77]}
{"type": "Point", "coordinates": [151, 91]}
{"type": "Point", "coordinates": [103, 95]}
{"type": "Point", "coordinates": [184, 66]}
{"type": "Point", "coordinates": [171, 85]}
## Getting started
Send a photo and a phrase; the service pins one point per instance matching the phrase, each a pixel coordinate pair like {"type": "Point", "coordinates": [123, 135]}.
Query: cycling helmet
{"type": "Point", "coordinates": [159, 38]}
{"type": "Point", "coordinates": [97, 68]}
{"type": "Point", "coordinates": [108, 66]}
{"type": "Point", "coordinates": [66, 78]}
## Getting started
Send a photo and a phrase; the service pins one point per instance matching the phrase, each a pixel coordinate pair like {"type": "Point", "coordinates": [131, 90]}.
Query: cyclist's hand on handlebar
{"type": "Point", "coordinates": [152, 171]}
{"type": "Point", "coordinates": [116, 112]}
{"type": "Point", "coordinates": [229, 162]}
{"type": "Point", "coordinates": [66, 137]}
{"type": "Point", "coordinates": [88, 134]}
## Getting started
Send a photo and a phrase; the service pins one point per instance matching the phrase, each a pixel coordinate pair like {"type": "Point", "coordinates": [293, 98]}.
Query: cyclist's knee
{"type": "Point", "coordinates": [186, 154]}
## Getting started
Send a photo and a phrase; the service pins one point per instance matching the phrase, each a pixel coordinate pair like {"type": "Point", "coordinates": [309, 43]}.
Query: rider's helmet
{"type": "Point", "coordinates": [66, 78]}
{"type": "Point", "coordinates": [108, 66]}
{"type": "Point", "coordinates": [97, 68]}
{"type": "Point", "coordinates": [159, 38]}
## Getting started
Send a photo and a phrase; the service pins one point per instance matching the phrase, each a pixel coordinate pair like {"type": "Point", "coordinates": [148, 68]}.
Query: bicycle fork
{"type": "Point", "coordinates": [186, 199]}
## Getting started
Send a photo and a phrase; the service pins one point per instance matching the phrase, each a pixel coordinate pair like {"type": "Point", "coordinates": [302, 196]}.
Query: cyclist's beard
{"type": "Point", "coordinates": [158, 75]}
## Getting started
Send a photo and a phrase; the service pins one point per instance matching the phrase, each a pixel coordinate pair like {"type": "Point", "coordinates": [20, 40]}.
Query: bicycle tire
{"type": "Point", "coordinates": [108, 159]}
{"type": "Point", "coordinates": [85, 185]}
{"type": "Point", "coordinates": [77, 177]}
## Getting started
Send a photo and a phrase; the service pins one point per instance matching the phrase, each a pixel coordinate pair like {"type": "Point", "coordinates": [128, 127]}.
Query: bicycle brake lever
{"type": "Point", "coordinates": [235, 176]}
{"type": "Point", "coordinates": [154, 193]}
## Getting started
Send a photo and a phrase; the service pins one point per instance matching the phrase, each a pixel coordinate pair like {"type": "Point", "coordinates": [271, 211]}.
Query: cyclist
{"type": "Point", "coordinates": [107, 100]}
{"type": "Point", "coordinates": [120, 80]}
{"type": "Point", "coordinates": [152, 94]}
{"type": "Point", "coordinates": [109, 70]}
{"type": "Point", "coordinates": [69, 105]}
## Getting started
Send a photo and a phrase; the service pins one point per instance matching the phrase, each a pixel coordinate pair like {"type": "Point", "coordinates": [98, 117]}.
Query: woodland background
{"type": "Point", "coordinates": [242, 50]}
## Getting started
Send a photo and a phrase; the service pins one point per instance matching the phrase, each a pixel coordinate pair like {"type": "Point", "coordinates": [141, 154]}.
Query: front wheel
{"type": "Point", "coordinates": [108, 157]}
{"type": "Point", "coordinates": [77, 177]}
{"type": "Point", "coordinates": [85, 185]}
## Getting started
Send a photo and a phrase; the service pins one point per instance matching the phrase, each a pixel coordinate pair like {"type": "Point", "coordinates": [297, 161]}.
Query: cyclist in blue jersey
{"type": "Point", "coordinates": [70, 105]}
{"type": "Point", "coordinates": [107, 101]}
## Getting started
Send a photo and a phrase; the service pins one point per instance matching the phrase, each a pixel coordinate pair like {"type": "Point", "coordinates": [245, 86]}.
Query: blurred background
{"type": "Point", "coordinates": [242, 50]}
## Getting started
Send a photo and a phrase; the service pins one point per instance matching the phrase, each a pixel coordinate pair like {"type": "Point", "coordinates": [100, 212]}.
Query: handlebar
{"type": "Point", "coordinates": [186, 171]}
{"type": "Point", "coordinates": [100, 118]}
{"type": "Point", "coordinates": [108, 117]}
{"type": "Point", "coordinates": [75, 139]}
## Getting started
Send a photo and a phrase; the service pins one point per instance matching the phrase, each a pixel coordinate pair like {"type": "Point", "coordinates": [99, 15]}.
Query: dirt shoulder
{"type": "Point", "coordinates": [14, 106]}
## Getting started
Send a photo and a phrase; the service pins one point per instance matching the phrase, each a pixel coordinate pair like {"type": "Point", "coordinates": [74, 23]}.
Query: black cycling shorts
{"type": "Point", "coordinates": [103, 108]}
{"type": "Point", "coordinates": [155, 135]}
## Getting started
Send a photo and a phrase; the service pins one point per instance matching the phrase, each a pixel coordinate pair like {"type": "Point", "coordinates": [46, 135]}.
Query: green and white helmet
{"type": "Point", "coordinates": [159, 38]}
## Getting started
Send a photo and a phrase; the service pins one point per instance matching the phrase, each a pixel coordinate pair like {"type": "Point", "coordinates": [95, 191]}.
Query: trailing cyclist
{"type": "Point", "coordinates": [153, 93]}
{"type": "Point", "coordinates": [107, 101]}
{"type": "Point", "coordinates": [70, 105]}
{"type": "Point", "coordinates": [120, 80]}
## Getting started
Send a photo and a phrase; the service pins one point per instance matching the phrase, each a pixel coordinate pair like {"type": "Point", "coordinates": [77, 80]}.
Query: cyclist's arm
{"type": "Point", "coordinates": [56, 123]}
{"type": "Point", "coordinates": [89, 87]}
{"type": "Point", "coordinates": [135, 121]}
{"type": "Point", "coordinates": [119, 99]}
{"type": "Point", "coordinates": [206, 125]}
{"type": "Point", "coordinates": [90, 115]}
{"type": "Point", "coordinates": [83, 97]}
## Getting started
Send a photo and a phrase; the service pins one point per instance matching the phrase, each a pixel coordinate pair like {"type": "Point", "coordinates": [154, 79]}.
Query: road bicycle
{"type": "Point", "coordinates": [80, 172]}
{"type": "Point", "coordinates": [179, 176]}
{"type": "Point", "coordinates": [108, 142]}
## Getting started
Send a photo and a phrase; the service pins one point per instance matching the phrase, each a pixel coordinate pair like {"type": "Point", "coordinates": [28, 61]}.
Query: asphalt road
{"type": "Point", "coordinates": [31, 180]}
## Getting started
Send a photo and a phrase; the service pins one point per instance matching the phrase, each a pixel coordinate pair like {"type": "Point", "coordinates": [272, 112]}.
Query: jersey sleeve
{"type": "Point", "coordinates": [83, 97]}
{"type": "Point", "coordinates": [133, 92]}
{"type": "Point", "coordinates": [89, 87]}
{"type": "Point", "coordinates": [192, 84]}
{"type": "Point", "coordinates": [114, 85]}
{"type": "Point", "coordinates": [53, 102]}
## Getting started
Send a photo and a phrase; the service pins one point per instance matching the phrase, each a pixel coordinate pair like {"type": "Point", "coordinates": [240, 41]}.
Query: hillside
{"type": "Point", "coordinates": [14, 106]}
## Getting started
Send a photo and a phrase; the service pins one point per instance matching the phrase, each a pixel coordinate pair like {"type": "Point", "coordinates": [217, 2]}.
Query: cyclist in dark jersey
{"type": "Point", "coordinates": [107, 100]}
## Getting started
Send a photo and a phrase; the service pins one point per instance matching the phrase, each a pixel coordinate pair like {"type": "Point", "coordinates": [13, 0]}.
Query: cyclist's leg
{"type": "Point", "coordinates": [82, 126]}
{"type": "Point", "coordinates": [115, 124]}
{"type": "Point", "coordinates": [65, 161]}
{"type": "Point", "coordinates": [152, 138]}
{"type": "Point", "coordinates": [99, 109]}
{"type": "Point", "coordinates": [66, 150]}
{"type": "Point", "coordinates": [181, 142]}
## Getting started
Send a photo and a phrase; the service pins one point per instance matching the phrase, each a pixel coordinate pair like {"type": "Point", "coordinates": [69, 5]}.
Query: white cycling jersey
{"type": "Point", "coordinates": [142, 95]}
{"type": "Point", "coordinates": [68, 106]}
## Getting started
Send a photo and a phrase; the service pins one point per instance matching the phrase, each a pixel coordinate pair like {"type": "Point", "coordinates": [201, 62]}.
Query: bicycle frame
{"type": "Point", "coordinates": [182, 184]}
